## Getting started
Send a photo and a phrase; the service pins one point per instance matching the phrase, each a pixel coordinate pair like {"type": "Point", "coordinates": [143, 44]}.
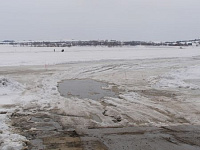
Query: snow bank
{"type": "Point", "coordinates": [9, 90]}
{"type": "Point", "coordinates": [9, 86]}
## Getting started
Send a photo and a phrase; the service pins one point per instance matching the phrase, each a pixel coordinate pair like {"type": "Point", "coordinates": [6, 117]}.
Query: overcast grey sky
{"type": "Point", "coordinates": [151, 20]}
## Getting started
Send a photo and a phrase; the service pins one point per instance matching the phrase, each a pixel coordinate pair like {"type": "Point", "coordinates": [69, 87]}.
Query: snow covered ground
{"type": "Point", "coordinates": [187, 77]}
{"type": "Point", "coordinates": [15, 56]}
{"type": "Point", "coordinates": [9, 92]}
{"type": "Point", "coordinates": [156, 85]}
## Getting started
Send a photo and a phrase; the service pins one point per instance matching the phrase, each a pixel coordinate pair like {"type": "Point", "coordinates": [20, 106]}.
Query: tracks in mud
{"type": "Point", "coordinates": [45, 132]}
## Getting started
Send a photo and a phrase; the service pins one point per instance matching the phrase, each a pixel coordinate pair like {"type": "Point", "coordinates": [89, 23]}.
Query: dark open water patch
{"type": "Point", "coordinates": [84, 88]}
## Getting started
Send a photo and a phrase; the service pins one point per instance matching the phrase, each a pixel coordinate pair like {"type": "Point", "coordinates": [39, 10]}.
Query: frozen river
{"type": "Point", "coordinates": [15, 56]}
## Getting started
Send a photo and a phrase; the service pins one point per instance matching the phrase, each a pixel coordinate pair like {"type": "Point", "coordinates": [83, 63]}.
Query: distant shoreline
{"type": "Point", "coordinates": [106, 43]}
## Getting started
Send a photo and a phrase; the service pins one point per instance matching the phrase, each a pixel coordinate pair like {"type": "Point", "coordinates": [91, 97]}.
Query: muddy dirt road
{"type": "Point", "coordinates": [156, 106]}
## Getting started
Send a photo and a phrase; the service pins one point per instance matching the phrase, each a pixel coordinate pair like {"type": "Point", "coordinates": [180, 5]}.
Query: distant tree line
{"type": "Point", "coordinates": [108, 43]}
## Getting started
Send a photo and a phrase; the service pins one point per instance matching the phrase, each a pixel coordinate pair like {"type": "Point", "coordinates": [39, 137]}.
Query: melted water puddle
{"type": "Point", "coordinates": [85, 88]}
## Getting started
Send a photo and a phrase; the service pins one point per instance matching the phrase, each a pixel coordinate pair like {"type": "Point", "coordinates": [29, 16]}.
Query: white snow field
{"type": "Point", "coordinates": [156, 86]}
{"type": "Point", "coordinates": [15, 56]}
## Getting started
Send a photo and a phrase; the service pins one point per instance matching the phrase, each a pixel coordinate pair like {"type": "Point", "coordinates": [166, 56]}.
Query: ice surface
{"type": "Point", "coordinates": [14, 56]}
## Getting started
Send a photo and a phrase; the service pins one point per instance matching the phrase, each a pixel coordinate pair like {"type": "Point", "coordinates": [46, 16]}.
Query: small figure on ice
{"type": "Point", "coordinates": [62, 50]}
